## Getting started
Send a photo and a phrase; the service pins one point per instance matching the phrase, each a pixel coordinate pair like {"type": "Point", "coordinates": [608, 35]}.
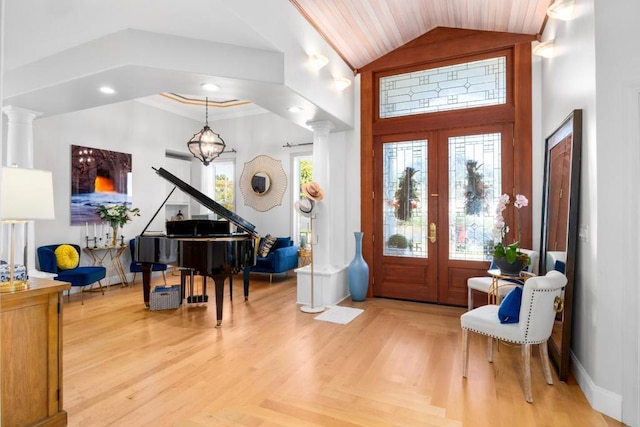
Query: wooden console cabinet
{"type": "Point", "coordinates": [31, 352]}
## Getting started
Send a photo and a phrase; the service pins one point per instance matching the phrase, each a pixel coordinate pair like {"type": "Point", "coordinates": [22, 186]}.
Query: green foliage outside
{"type": "Point", "coordinates": [306, 173]}
{"type": "Point", "coordinates": [224, 191]}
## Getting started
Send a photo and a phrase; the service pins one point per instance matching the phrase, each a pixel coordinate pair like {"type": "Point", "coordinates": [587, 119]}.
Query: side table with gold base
{"type": "Point", "coordinates": [98, 256]}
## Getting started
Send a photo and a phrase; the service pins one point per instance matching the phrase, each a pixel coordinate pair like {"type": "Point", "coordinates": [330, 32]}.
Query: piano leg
{"type": "Point", "coordinates": [219, 281]}
{"type": "Point", "coordinates": [146, 282]}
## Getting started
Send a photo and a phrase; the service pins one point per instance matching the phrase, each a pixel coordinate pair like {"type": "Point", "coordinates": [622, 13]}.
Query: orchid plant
{"type": "Point", "coordinates": [509, 251]}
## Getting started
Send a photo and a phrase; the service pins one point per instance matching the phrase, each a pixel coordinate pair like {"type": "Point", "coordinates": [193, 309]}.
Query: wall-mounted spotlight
{"type": "Point", "coordinates": [318, 61]}
{"type": "Point", "coordinates": [561, 9]}
{"type": "Point", "coordinates": [341, 83]}
{"type": "Point", "coordinates": [544, 49]}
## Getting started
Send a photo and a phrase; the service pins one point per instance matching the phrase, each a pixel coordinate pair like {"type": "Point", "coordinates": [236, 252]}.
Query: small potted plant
{"type": "Point", "coordinates": [507, 257]}
{"type": "Point", "coordinates": [398, 241]}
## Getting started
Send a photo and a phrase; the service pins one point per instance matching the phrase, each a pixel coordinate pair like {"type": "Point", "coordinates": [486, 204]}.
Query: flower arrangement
{"type": "Point", "coordinates": [117, 215]}
{"type": "Point", "coordinates": [502, 250]}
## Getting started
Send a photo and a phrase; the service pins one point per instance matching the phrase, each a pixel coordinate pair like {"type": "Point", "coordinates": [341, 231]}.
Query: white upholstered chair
{"type": "Point", "coordinates": [483, 284]}
{"type": "Point", "coordinates": [537, 314]}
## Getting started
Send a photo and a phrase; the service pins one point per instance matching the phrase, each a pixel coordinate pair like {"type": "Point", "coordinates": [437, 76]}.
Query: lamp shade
{"type": "Point", "coordinates": [26, 194]}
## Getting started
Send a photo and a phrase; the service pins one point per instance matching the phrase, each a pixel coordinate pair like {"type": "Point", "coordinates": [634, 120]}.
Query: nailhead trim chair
{"type": "Point", "coordinates": [537, 314]}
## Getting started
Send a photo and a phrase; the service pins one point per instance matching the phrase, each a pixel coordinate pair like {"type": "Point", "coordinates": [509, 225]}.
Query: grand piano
{"type": "Point", "coordinates": [208, 247]}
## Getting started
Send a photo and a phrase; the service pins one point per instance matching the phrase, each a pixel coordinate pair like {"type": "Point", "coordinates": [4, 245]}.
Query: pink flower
{"type": "Point", "coordinates": [521, 201]}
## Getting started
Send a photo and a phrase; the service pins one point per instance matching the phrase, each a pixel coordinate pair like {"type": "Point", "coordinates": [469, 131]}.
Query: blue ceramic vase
{"type": "Point", "coordinates": [358, 272]}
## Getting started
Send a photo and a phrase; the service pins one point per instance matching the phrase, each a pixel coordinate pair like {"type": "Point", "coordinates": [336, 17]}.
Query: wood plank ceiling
{"type": "Point", "coordinates": [362, 31]}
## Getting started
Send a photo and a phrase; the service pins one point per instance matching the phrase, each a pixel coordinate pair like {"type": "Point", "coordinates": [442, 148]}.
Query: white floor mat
{"type": "Point", "coordinates": [338, 314]}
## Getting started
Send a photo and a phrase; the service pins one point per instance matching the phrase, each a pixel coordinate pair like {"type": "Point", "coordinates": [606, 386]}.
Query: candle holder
{"type": "Point", "coordinates": [91, 239]}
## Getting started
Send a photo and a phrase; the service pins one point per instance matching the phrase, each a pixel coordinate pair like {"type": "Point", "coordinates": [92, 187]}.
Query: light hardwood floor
{"type": "Point", "coordinates": [397, 364]}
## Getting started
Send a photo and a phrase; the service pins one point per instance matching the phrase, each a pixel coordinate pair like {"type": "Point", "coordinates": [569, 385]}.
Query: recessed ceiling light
{"type": "Point", "coordinates": [294, 109]}
{"type": "Point", "coordinates": [210, 87]}
{"type": "Point", "coordinates": [106, 89]}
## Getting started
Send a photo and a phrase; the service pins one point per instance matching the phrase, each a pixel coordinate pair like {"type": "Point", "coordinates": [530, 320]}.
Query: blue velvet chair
{"type": "Point", "coordinates": [78, 276]}
{"type": "Point", "coordinates": [136, 267]}
{"type": "Point", "coordinates": [282, 257]}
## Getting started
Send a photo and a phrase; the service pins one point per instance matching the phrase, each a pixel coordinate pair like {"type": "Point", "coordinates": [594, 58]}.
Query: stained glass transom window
{"type": "Point", "coordinates": [471, 84]}
{"type": "Point", "coordinates": [475, 183]}
{"type": "Point", "coordinates": [404, 202]}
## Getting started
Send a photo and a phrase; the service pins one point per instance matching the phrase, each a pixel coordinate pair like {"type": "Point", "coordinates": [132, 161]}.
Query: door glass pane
{"type": "Point", "coordinates": [453, 87]}
{"type": "Point", "coordinates": [475, 183]}
{"type": "Point", "coordinates": [404, 201]}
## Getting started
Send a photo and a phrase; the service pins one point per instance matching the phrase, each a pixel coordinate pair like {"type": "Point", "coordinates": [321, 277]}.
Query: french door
{"type": "Point", "coordinates": [434, 208]}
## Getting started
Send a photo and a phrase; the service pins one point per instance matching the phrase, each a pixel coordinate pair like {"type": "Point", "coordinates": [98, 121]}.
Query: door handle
{"type": "Point", "coordinates": [432, 232]}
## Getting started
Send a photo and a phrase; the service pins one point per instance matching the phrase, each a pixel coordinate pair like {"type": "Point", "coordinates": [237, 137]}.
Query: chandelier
{"type": "Point", "coordinates": [206, 145]}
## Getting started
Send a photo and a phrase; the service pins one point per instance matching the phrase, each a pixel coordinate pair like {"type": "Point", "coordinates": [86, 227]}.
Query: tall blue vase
{"type": "Point", "coordinates": [358, 272]}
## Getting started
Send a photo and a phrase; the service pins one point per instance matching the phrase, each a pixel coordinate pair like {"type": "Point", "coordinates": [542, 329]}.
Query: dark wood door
{"type": "Point", "coordinates": [435, 197]}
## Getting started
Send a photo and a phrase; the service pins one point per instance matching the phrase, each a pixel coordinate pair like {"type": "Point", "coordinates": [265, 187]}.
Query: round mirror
{"type": "Point", "coordinates": [260, 183]}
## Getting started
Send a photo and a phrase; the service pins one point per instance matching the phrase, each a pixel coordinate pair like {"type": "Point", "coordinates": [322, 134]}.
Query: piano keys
{"type": "Point", "coordinates": [209, 247]}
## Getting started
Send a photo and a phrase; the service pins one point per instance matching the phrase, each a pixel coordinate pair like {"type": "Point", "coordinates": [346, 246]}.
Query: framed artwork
{"type": "Point", "coordinates": [98, 177]}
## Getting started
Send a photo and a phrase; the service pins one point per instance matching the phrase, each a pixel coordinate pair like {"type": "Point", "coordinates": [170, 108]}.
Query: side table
{"type": "Point", "coordinates": [497, 277]}
{"type": "Point", "coordinates": [305, 257]}
{"type": "Point", "coordinates": [98, 256]}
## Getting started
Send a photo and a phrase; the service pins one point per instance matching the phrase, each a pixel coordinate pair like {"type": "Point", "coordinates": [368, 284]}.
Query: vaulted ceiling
{"type": "Point", "coordinates": [56, 53]}
{"type": "Point", "coordinates": [364, 30]}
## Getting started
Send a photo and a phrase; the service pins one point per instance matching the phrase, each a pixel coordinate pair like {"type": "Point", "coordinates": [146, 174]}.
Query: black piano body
{"type": "Point", "coordinates": [209, 247]}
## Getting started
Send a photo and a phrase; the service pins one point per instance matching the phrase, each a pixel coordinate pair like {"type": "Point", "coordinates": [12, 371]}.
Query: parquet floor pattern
{"type": "Point", "coordinates": [397, 364]}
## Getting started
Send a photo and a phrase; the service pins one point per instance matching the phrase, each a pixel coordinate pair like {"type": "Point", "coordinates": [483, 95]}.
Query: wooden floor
{"type": "Point", "coordinates": [397, 364]}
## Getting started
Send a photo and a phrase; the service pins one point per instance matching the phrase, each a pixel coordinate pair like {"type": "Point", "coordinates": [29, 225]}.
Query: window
{"type": "Point", "coordinates": [452, 87]}
{"type": "Point", "coordinates": [302, 173]}
{"type": "Point", "coordinates": [218, 182]}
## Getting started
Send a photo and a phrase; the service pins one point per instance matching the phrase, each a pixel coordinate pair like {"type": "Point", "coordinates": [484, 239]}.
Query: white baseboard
{"type": "Point", "coordinates": [600, 399]}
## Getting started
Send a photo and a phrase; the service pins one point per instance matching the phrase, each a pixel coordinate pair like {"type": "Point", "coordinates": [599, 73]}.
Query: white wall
{"type": "Point", "coordinates": [263, 134]}
{"type": "Point", "coordinates": [595, 69]}
{"type": "Point", "coordinates": [128, 127]}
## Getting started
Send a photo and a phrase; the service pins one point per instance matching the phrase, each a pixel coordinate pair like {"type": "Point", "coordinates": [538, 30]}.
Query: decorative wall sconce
{"type": "Point", "coordinates": [544, 49]}
{"type": "Point", "coordinates": [318, 61]}
{"type": "Point", "coordinates": [206, 145]}
{"type": "Point", "coordinates": [341, 83]}
{"type": "Point", "coordinates": [561, 9]}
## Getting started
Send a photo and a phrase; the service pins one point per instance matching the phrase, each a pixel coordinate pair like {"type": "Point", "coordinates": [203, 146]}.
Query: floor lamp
{"type": "Point", "coordinates": [311, 308]}
{"type": "Point", "coordinates": [25, 194]}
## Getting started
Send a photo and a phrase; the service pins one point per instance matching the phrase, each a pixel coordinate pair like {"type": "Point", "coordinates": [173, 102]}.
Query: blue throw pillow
{"type": "Point", "coordinates": [560, 266]}
{"type": "Point", "coordinates": [509, 311]}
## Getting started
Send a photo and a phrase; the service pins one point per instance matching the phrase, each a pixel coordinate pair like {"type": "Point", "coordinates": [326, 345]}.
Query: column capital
{"type": "Point", "coordinates": [321, 126]}
{"type": "Point", "coordinates": [19, 114]}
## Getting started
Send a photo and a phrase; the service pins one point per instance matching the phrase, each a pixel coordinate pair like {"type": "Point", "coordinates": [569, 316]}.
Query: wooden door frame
{"type": "Point", "coordinates": [444, 44]}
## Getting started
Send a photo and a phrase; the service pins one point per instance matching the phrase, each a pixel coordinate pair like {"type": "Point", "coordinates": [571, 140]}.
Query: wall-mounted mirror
{"type": "Point", "coordinates": [260, 182]}
{"type": "Point", "coordinates": [559, 235]}
{"type": "Point", "coordinates": [263, 183]}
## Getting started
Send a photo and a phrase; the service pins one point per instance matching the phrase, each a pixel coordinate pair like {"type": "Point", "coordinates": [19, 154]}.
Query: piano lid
{"type": "Point", "coordinates": [207, 202]}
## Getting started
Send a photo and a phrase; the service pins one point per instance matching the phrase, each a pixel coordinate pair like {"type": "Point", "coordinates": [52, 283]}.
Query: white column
{"type": "Point", "coordinates": [330, 284]}
{"type": "Point", "coordinates": [20, 136]}
{"type": "Point", "coordinates": [20, 153]}
{"type": "Point", "coordinates": [321, 175]}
